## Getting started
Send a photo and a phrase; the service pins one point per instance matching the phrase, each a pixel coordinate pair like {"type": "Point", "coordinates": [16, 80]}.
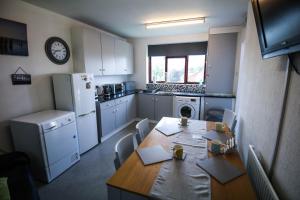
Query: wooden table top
{"type": "Point", "coordinates": [134, 177]}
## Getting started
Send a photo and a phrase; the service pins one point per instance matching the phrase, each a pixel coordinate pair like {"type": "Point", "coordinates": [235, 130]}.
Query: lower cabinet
{"type": "Point", "coordinates": [107, 120]}
{"type": "Point", "coordinates": [154, 107]}
{"type": "Point", "coordinates": [116, 113]}
{"type": "Point", "coordinates": [131, 107]}
{"type": "Point", "coordinates": [121, 114]}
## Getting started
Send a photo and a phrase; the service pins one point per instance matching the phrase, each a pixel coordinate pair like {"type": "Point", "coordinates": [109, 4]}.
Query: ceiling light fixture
{"type": "Point", "coordinates": [179, 22]}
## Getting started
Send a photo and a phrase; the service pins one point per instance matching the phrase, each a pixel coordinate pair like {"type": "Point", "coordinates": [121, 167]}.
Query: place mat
{"type": "Point", "coordinates": [222, 170]}
{"type": "Point", "coordinates": [154, 154]}
{"type": "Point", "coordinates": [214, 135]}
{"type": "Point", "coordinates": [183, 179]}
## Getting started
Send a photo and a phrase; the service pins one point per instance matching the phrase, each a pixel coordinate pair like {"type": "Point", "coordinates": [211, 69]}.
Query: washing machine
{"type": "Point", "coordinates": [184, 106]}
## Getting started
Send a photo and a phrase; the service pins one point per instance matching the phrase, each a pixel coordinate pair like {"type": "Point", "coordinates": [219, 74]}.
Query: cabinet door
{"type": "Point", "coordinates": [108, 54]}
{"type": "Point", "coordinates": [107, 120]}
{"type": "Point", "coordinates": [121, 114]}
{"type": "Point", "coordinates": [120, 56]}
{"type": "Point", "coordinates": [221, 63]}
{"type": "Point", "coordinates": [131, 107]}
{"type": "Point", "coordinates": [92, 51]}
{"type": "Point", "coordinates": [146, 106]}
{"type": "Point", "coordinates": [163, 107]}
{"type": "Point", "coordinates": [217, 103]}
{"type": "Point", "coordinates": [129, 58]}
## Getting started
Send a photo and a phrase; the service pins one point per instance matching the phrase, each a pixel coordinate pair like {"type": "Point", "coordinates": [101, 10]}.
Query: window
{"type": "Point", "coordinates": [175, 70]}
{"type": "Point", "coordinates": [181, 69]}
{"type": "Point", "coordinates": [158, 64]}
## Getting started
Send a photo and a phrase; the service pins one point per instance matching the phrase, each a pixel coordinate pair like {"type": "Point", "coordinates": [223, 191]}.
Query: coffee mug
{"type": "Point", "coordinates": [178, 151]}
{"type": "Point", "coordinates": [183, 121]}
{"type": "Point", "coordinates": [220, 127]}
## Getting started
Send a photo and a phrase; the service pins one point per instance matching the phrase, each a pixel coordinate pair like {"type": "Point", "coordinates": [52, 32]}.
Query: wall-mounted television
{"type": "Point", "coordinates": [13, 38]}
{"type": "Point", "coordinates": [278, 26]}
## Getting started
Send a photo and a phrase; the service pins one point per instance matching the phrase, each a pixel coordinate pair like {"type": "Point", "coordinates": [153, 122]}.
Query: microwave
{"type": "Point", "coordinates": [118, 88]}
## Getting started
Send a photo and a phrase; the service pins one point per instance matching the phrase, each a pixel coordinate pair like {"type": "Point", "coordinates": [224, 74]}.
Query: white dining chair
{"type": "Point", "coordinates": [123, 148]}
{"type": "Point", "coordinates": [229, 118]}
{"type": "Point", "coordinates": [142, 130]}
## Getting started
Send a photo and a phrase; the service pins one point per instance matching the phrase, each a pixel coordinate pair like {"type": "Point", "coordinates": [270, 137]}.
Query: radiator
{"type": "Point", "coordinates": [263, 188]}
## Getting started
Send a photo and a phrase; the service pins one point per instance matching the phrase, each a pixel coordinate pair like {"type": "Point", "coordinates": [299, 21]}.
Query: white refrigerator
{"type": "Point", "coordinates": [76, 92]}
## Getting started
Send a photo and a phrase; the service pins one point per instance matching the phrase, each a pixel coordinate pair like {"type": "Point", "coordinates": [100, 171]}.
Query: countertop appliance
{"type": "Point", "coordinates": [76, 92]}
{"type": "Point", "coordinates": [184, 106]}
{"type": "Point", "coordinates": [50, 140]}
{"type": "Point", "coordinates": [129, 86]}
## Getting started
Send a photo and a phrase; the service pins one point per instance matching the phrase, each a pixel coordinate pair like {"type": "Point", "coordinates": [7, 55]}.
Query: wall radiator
{"type": "Point", "coordinates": [263, 188]}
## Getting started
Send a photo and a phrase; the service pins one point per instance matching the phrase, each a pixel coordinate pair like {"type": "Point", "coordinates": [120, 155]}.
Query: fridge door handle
{"type": "Point", "coordinates": [82, 115]}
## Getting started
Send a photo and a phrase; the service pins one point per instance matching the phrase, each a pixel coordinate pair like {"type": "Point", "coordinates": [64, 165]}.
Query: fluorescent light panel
{"type": "Point", "coordinates": [180, 22]}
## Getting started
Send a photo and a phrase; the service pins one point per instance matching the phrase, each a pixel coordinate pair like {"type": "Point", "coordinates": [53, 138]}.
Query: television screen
{"type": "Point", "coordinates": [13, 38]}
{"type": "Point", "coordinates": [278, 23]}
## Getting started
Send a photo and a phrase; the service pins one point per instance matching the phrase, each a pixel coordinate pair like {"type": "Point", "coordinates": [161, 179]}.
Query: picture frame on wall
{"type": "Point", "coordinates": [13, 38]}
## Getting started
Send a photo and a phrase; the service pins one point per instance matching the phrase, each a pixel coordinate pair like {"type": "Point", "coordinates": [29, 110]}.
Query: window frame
{"type": "Point", "coordinates": [185, 70]}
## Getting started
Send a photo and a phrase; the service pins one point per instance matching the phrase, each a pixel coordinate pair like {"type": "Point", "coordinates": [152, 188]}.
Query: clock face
{"type": "Point", "coordinates": [57, 50]}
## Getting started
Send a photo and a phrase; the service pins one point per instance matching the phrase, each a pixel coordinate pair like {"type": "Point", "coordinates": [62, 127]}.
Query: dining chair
{"type": "Point", "coordinates": [229, 118]}
{"type": "Point", "coordinates": [142, 130]}
{"type": "Point", "coordinates": [123, 148]}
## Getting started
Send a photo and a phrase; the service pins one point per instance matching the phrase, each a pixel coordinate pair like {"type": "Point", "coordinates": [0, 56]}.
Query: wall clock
{"type": "Point", "coordinates": [57, 50]}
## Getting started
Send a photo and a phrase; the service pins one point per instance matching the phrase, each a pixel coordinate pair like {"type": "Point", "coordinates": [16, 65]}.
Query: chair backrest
{"type": "Point", "coordinates": [260, 182]}
{"type": "Point", "coordinates": [123, 148]}
{"type": "Point", "coordinates": [142, 130]}
{"type": "Point", "coordinates": [229, 118]}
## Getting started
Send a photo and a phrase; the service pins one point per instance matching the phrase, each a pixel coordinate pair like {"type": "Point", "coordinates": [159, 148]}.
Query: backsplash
{"type": "Point", "coordinates": [171, 87]}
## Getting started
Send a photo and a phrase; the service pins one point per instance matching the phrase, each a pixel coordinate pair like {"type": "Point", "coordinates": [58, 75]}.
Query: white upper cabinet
{"type": "Point", "coordinates": [129, 58]}
{"type": "Point", "coordinates": [123, 56]}
{"type": "Point", "coordinates": [86, 46]}
{"type": "Point", "coordinates": [108, 54]}
{"type": "Point", "coordinates": [100, 53]}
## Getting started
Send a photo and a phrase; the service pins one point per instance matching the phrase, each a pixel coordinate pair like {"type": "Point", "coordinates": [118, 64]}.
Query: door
{"type": "Point", "coordinates": [107, 120]}
{"type": "Point", "coordinates": [146, 106]}
{"type": "Point", "coordinates": [163, 107]}
{"type": "Point", "coordinates": [87, 131]}
{"type": "Point", "coordinates": [92, 51]}
{"type": "Point", "coordinates": [131, 107]}
{"type": "Point", "coordinates": [121, 56]}
{"type": "Point", "coordinates": [108, 54]}
{"type": "Point", "coordinates": [121, 114]}
{"type": "Point", "coordinates": [84, 93]}
{"type": "Point", "coordinates": [61, 142]}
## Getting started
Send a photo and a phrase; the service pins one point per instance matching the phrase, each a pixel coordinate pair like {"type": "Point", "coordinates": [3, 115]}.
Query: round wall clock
{"type": "Point", "coordinates": [57, 50]}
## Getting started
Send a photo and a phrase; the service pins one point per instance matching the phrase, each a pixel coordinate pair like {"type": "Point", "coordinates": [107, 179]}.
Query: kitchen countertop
{"type": "Point", "coordinates": [191, 94]}
{"type": "Point", "coordinates": [102, 99]}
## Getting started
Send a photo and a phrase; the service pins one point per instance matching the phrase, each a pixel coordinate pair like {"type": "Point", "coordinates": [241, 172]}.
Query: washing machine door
{"type": "Point", "coordinates": [187, 110]}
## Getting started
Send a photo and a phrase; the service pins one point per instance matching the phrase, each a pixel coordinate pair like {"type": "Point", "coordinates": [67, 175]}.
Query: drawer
{"type": "Point", "coordinates": [107, 104]}
{"type": "Point", "coordinates": [121, 100]}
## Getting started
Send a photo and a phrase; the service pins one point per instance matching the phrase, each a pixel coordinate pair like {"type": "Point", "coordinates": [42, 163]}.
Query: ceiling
{"type": "Point", "coordinates": [126, 17]}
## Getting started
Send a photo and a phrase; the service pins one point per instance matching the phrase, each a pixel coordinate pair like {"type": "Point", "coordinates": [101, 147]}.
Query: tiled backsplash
{"type": "Point", "coordinates": [171, 87]}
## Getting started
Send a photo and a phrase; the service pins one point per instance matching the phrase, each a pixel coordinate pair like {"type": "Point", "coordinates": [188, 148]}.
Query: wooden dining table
{"type": "Point", "coordinates": [134, 181]}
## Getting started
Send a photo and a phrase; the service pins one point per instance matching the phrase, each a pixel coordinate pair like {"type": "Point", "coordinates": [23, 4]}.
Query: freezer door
{"type": "Point", "coordinates": [87, 131]}
{"type": "Point", "coordinates": [84, 93]}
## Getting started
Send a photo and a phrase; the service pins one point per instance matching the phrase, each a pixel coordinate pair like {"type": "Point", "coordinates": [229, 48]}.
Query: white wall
{"type": "Point", "coordinates": [23, 99]}
{"type": "Point", "coordinates": [259, 98]}
{"type": "Point", "coordinates": [141, 53]}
